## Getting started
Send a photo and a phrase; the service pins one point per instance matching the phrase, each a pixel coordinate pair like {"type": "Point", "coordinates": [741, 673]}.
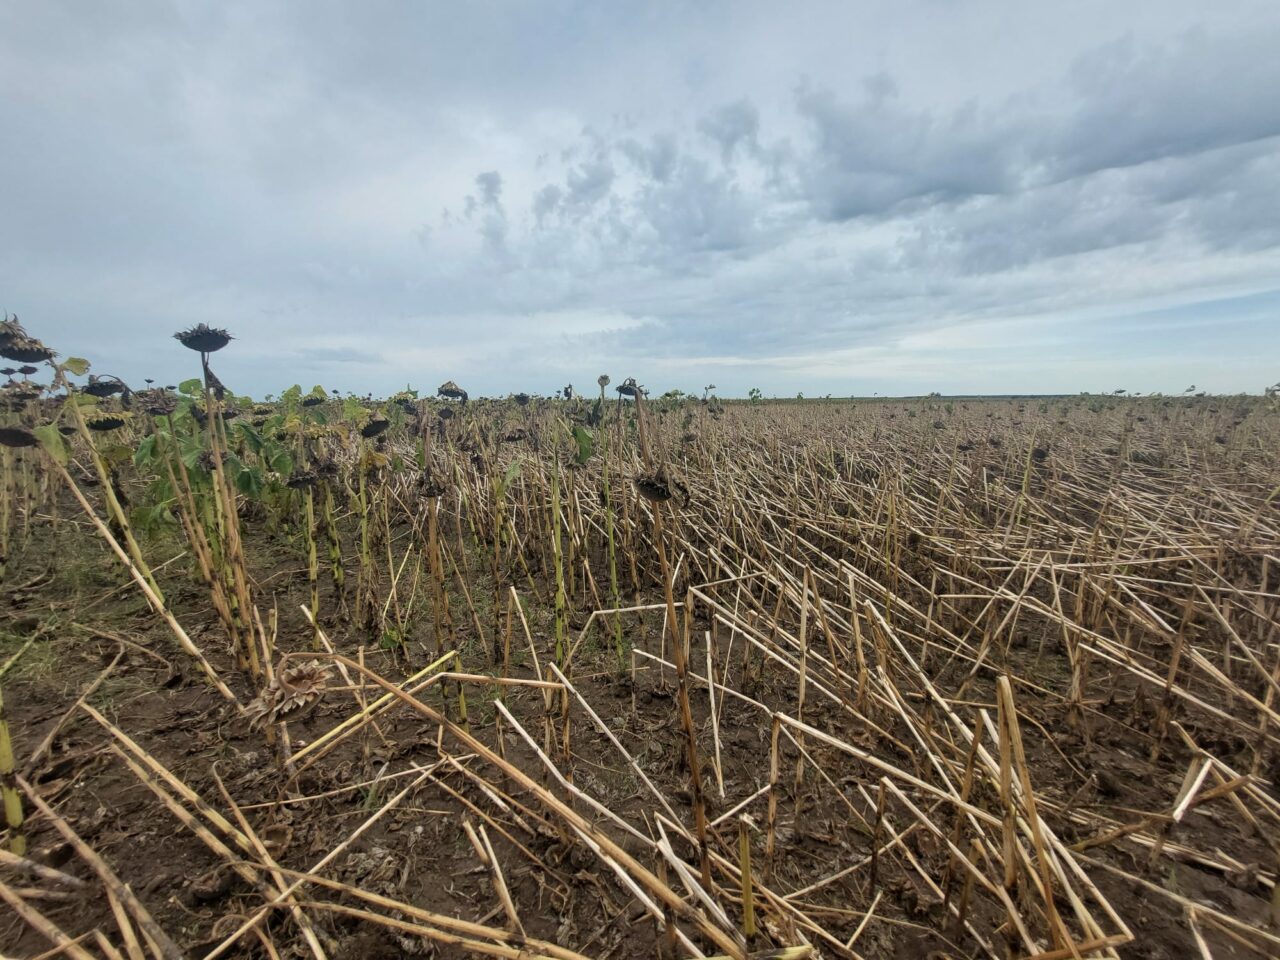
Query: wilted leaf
{"type": "Point", "coordinates": [282, 463]}
{"type": "Point", "coordinates": [249, 482]}
{"type": "Point", "coordinates": [512, 471]}
{"type": "Point", "coordinates": [146, 451]}
{"type": "Point", "coordinates": [373, 460]}
{"type": "Point", "coordinates": [53, 442]}
{"type": "Point", "coordinates": [586, 442]}
{"type": "Point", "coordinates": [191, 457]}
{"type": "Point", "coordinates": [153, 518]}
{"type": "Point", "coordinates": [77, 366]}
{"type": "Point", "coordinates": [115, 454]}
{"type": "Point", "coordinates": [251, 436]}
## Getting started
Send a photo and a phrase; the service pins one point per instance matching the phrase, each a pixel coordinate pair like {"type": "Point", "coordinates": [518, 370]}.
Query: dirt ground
{"type": "Point", "coordinates": [71, 618]}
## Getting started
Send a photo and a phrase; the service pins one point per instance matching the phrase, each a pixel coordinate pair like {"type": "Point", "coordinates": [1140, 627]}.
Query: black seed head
{"type": "Point", "coordinates": [17, 437]}
{"type": "Point", "coordinates": [25, 350]}
{"type": "Point", "coordinates": [104, 422]}
{"type": "Point", "coordinates": [158, 403]}
{"type": "Point", "coordinates": [451, 391]}
{"type": "Point", "coordinates": [103, 386]}
{"type": "Point", "coordinates": [203, 338]}
{"type": "Point", "coordinates": [374, 427]}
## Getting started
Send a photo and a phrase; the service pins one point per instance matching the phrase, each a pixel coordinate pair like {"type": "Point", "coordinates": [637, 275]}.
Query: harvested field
{"type": "Point", "coordinates": [622, 677]}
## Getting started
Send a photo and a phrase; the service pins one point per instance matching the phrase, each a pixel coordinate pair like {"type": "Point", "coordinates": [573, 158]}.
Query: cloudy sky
{"type": "Point", "coordinates": [846, 198]}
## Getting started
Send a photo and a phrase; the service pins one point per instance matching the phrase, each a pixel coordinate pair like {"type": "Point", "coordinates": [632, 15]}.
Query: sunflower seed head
{"type": "Point", "coordinates": [203, 338]}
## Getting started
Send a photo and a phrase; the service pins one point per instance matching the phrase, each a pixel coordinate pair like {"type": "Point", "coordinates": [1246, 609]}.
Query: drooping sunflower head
{"type": "Point", "coordinates": [374, 427]}
{"type": "Point", "coordinates": [451, 391]}
{"type": "Point", "coordinates": [24, 349]}
{"type": "Point", "coordinates": [103, 386]}
{"type": "Point", "coordinates": [10, 330]}
{"type": "Point", "coordinates": [103, 422]}
{"type": "Point", "coordinates": [203, 338]}
{"type": "Point", "coordinates": [17, 437]}
{"type": "Point", "coordinates": [158, 403]}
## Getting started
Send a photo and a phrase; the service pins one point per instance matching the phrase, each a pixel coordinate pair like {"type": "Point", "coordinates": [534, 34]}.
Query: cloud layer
{"type": "Point", "coordinates": [869, 197]}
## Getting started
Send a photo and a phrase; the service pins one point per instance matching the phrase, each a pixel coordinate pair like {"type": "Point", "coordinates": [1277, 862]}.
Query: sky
{"type": "Point", "coordinates": [847, 198]}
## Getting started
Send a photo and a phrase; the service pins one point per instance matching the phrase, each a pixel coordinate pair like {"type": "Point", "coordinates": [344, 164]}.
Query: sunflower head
{"type": "Point", "coordinates": [295, 686]}
{"type": "Point", "coordinates": [17, 437]}
{"type": "Point", "coordinates": [11, 329]}
{"type": "Point", "coordinates": [103, 386]}
{"type": "Point", "coordinates": [451, 391]}
{"type": "Point", "coordinates": [203, 338]}
{"type": "Point", "coordinates": [158, 403]}
{"type": "Point", "coordinates": [24, 349]}
{"type": "Point", "coordinates": [21, 391]}
{"type": "Point", "coordinates": [374, 427]}
{"type": "Point", "coordinates": [660, 486]}
{"type": "Point", "coordinates": [103, 422]}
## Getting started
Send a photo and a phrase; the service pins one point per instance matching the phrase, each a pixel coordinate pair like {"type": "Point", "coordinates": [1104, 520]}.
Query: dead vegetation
{"type": "Point", "coordinates": [561, 678]}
